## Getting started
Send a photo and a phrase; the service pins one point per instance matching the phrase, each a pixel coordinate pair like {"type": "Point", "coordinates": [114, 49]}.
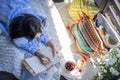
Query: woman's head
{"type": "Point", "coordinates": [25, 26]}
{"type": "Point", "coordinates": [32, 26]}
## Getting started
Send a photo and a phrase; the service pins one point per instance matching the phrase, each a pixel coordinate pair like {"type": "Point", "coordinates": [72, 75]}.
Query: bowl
{"type": "Point", "coordinates": [110, 30]}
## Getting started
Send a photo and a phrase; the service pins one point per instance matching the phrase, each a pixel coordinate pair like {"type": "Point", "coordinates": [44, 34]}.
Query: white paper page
{"type": "Point", "coordinates": [35, 64]}
{"type": "Point", "coordinates": [56, 59]}
{"type": "Point", "coordinates": [47, 52]}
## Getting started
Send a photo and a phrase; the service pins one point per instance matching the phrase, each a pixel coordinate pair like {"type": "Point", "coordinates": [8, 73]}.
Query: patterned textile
{"type": "Point", "coordinates": [78, 6]}
{"type": "Point", "coordinates": [10, 57]}
{"type": "Point", "coordinates": [87, 38]}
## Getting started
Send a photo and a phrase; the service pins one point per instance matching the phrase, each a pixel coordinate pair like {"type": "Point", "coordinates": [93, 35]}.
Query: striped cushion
{"type": "Point", "coordinates": [86, 37]}
{"type": "Point", "coordinates": [81, 40]}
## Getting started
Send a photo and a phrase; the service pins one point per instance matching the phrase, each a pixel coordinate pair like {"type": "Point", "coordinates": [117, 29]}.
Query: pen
{"type": "Point", "coordinates": [45, 59]}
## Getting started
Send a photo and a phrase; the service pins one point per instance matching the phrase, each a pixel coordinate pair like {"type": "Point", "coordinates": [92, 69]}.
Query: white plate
{"type": "Point", "coordinates": [74, 74]}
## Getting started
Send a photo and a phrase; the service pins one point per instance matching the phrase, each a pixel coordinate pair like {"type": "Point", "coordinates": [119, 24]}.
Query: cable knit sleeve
{"type": "Point", "coordinates": [44, 38]}
{"type": "Point", "coordinates": [28, 45]}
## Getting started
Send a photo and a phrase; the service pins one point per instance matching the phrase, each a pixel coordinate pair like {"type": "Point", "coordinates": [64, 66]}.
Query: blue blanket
{"type": "Point", "coordinates": [10, 9]}
{"type": "Point", "coordinates": [15, 54]}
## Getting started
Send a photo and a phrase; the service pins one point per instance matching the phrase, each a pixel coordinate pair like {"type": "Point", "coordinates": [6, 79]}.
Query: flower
{"type": "Point", "coordinates": [114, 72]}
{"type": "Point", "coordinates": [119, 79]}
{"type": "Point", "coordinates": [111, 61]}
{"type": "Point", "coordinates": [98, 60]}
{"type": "Point", "coordinates": [112, 69]}
{"type": "Point", "coordinates": [108, 66]}
{"type": "Point", "coordinates": [80, 70]}
{"type": "Point", "coordinates": [118, 55]}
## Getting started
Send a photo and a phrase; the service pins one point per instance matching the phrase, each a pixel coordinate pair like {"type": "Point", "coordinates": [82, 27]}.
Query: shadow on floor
{"type": "Point", "coordinates": [62, 78]}
{"type": "Point", "coordinates": [7, 76]}
{"type": "Point", "coordinates": [58, 1]}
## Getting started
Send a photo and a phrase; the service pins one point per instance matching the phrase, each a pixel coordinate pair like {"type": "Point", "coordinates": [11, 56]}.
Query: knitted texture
{"type": "Point", "coordinates": [10, 57]}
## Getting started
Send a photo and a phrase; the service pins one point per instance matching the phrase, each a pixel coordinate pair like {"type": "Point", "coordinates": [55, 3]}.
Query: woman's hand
{"type": "Point", "coordinates": [53, 47]}
{"type": "Point", "coordinates": [44, 59]}
{"type": "Point", "coordinates": [55, 51]}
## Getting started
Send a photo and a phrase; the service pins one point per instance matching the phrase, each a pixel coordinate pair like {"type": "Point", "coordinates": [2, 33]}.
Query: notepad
{"type": "Point", "coordinates": [35, 67]}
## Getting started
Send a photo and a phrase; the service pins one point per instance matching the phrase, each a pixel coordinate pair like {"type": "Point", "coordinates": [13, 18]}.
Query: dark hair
{"type": "Point", "coordinates": [25, 26]}
{"type": "Point", "coordinates": [7, 76]}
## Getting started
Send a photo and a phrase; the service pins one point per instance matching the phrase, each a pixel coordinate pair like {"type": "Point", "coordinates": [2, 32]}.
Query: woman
{"type": "Point", "coordinates": [25, 27]}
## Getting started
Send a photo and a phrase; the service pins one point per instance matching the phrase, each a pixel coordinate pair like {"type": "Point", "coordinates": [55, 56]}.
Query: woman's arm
{"type": "Point", "coordinates": [46, 39]}
{"type": "Point", "coordinates": [43, 58]}
{"type": "Point", "coordinates": [31, 47]}
{"type": "Point", "coordinates": [53, 47]}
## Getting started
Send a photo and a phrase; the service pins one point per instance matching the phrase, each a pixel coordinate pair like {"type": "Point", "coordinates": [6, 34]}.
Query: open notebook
{"type": "Point", "coordinates": [35, 67]}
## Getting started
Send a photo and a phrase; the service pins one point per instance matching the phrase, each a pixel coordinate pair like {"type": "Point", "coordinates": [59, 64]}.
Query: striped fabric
{"type": "Point", "coordinates": [87, 38]}
{"type": "Point", "coordinates": [82, 41]}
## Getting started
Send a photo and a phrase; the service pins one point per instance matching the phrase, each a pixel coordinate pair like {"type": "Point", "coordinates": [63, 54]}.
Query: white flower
{"type": "Point", "coordinates": [114, 72]}
{"type": "Point", "coordinates": [98, 60]}
{"type": "Point", "coordinates": [112, 69]}
{"type": "Point", "coordinates": [118, 55]}
{"type": "Point", "coordinates": [94, 66]}
{"type": "Point", "coordinates": [119, 79]}
{"type": "Point", "coordinates": [118, 50]}
{"type": "Point", "coordinates": [102, 62]}
{"type": "Point", "coordinates": [111, 49]}
{"type": "Point", "coordinates": [105, 63]}
{"type": "Point", "coordinates": [107, 60]}
{"type": "Point", "coordinates": [105, 70]}
{"type": "Point", "coordinates": [111, 61]}
{"type": "Point", "coordinates": [100, 77]}
{"type": "Point", "coordinates": [92, 60]}
{"type": "Point", "coordinates": [99, 74]}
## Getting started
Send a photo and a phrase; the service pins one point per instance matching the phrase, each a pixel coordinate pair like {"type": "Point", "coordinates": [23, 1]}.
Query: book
{"type": "Point", "coordinates": [35, 67]}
